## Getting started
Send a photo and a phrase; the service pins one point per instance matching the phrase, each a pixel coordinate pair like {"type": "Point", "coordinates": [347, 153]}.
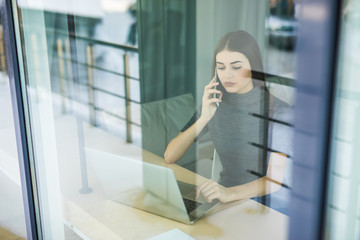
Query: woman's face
{"type": "Point", "coordinates": [234, 72]}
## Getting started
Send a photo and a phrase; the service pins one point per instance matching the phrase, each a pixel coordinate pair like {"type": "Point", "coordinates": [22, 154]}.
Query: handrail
{"type": "Point", "coordinates": [103, 110]}
{"type": "Point", "coordinates": [285, 81]}
{"type": "Point", "coordinates": [99, 68]}
{"type": "Point", "coordinates": [97, 89]}
{"type": "Point", "coordinates": [94, 41]}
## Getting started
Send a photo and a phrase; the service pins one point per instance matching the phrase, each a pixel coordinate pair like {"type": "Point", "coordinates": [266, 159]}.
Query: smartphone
{"type": "Point", "coordinates": [215, 94]}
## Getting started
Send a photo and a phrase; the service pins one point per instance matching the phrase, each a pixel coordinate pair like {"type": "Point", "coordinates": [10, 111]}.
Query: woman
{"type": "Point", "coordinates": [236, 108]}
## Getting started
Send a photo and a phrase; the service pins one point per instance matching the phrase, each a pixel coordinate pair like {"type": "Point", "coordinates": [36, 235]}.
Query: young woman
{"type": "Point", "coordinates": [246, 123]}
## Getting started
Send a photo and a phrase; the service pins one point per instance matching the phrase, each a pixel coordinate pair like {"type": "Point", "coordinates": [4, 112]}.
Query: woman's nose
{"type": "Point", "coordinates": [228, 74]}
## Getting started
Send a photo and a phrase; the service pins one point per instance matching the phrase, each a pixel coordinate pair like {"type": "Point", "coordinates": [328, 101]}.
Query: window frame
{"type": "Point", "coordinates": [19, 107]}
{"type": "Point", "coordinates": [316, 68]}
{"type": "Point", "coordinates": [316, 77]}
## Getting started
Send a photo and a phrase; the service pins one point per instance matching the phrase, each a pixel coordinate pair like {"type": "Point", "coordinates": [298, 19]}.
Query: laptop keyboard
{"type": "Point", "coordinates": [190, 205]}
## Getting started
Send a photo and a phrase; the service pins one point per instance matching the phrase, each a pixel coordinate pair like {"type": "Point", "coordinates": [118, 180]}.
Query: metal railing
{"type": "Point", "coordinates": [62, 43]}
{"type": "Point", "coordinates": [65, 62]}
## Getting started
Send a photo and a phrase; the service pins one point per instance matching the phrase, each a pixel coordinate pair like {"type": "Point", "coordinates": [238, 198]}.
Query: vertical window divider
{"type": "Point", "coordinates": [19, 106]}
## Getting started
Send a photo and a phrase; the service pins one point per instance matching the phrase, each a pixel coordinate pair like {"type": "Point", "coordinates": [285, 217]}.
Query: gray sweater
{"type": "Point", "coordinates": [243, 137]}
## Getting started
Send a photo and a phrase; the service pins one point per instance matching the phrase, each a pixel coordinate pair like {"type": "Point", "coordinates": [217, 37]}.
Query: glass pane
{"type": "Point", "coordinates": [122, 132]}
{"type": "Point", "coordinates": [12, 216]}
{"type": "Point", "coordinates": [343, 199]}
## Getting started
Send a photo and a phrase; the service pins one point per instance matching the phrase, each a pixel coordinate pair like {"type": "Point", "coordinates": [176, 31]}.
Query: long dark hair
{"type": "Point", "coordinates": [244, 43]}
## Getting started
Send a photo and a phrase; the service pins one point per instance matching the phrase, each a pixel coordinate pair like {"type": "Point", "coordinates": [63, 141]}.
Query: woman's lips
{"type": "Point", "coordinates": [229, 84]}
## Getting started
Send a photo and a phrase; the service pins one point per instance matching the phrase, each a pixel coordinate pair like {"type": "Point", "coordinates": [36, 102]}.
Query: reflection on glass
{"type": "Point", "coordinates": [110, 84]}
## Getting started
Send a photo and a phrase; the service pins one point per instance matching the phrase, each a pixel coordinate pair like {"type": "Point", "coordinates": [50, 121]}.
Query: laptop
{"type": "Point", "coordinates": [147, 186]}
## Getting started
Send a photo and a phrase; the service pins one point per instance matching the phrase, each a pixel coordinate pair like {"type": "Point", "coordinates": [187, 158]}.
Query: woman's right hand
{"type": "Point", "coordinates": [183, 141]}
{"type": "Point", "coordinates": [208, 101]}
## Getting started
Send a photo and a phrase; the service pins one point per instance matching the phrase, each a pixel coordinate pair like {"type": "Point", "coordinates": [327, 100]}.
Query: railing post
{"type": "Point", "coordinates": [89, 61]}
{"type": "Point", "coordinates": [62, 74]}
{"type": "Point", "coordinates": [69, 72]}
{"type": "Point", "coordinates": [2, 53]}
{"type": "Point", "coordinates": [127, 97]}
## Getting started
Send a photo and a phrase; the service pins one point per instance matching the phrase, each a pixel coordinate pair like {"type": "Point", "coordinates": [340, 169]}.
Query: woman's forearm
{"type": "Point", "coordinates": [270, 183]}
{"type": "Point", "coordinates": [182, 142]}
{"type": "Point", "coordinates": [256, 188]}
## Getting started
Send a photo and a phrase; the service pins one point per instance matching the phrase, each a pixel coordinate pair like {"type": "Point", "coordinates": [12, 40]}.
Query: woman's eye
{"type": "Point", "coordinates": [237, 68]}
{"type": "Point", "coordinates": [221, 68]}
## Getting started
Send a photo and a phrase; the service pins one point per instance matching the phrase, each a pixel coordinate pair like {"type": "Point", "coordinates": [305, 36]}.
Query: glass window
{"type": "Point", "coordinates": [12, 216]}
{"type": "Point", "coordinates": [144, 114]}
{"type": "Point", "coordinates": [342, 208]}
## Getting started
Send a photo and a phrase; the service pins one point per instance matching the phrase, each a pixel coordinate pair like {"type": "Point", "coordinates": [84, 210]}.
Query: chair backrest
{"type": "Point", "coordinates": [216, 167]}
{"type": "Point", "coordinates": [162, 120]}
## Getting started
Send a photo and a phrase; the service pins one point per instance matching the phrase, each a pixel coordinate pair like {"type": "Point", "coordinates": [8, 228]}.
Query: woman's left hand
{"type": "Point", "coordinates": [211, 190]}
